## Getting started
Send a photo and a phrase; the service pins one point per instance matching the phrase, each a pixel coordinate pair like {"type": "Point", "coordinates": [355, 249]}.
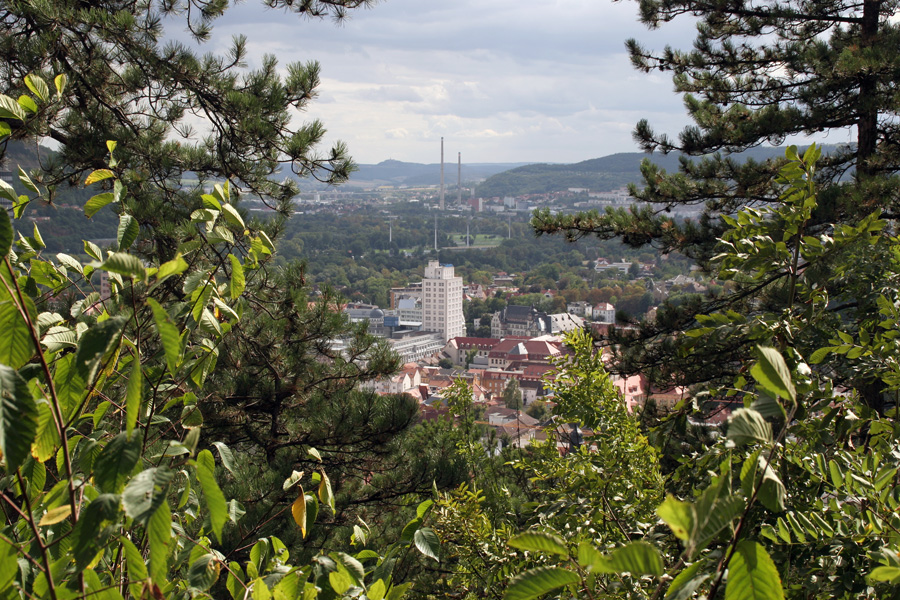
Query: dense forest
{"type": "Point", "coordinates": [180, 415]}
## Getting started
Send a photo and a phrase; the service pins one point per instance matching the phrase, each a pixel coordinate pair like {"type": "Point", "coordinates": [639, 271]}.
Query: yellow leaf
{"type": "Point", "coordinates": [98, 175]}
{"type": "Point", "coordinates": [56, 515]}
{"type": "Point", "coordinates": [298, 509]}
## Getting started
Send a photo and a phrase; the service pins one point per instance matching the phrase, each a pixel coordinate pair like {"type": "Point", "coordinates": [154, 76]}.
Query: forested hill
{"type": "Point", "coordinates": [597, 174]}
{"type": "Point", "coordinates": [395, 172]}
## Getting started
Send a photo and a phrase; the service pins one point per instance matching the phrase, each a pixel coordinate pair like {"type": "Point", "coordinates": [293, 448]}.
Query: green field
{"type": "Point", "coordinates": [477, 240]}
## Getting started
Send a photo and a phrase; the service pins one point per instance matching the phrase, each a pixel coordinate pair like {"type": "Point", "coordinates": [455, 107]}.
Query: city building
{"type": "Point", "coordinates": [442, 294]}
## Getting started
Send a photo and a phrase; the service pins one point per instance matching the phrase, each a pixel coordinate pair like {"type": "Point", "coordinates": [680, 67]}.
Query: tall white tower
{"type": "Point", "coordinates": [442, 294]}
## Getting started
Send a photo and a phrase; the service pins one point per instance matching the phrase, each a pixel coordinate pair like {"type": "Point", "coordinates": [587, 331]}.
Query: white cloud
{"type": "Point", "coordinates": [504, 81]}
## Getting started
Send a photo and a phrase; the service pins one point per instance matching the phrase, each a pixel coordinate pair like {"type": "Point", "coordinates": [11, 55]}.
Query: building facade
{"type": "Point", "coordinates": [442, 296]}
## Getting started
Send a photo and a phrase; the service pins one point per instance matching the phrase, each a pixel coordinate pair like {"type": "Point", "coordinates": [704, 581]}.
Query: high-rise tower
{"type": "Point", "coordinates": [442, 294]}
{"type": "Point", "coordinates": [442, 173]}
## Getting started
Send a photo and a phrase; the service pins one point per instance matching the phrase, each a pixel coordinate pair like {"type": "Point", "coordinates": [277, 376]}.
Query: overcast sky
{"type": "Point", "coordinates": [501, 81]}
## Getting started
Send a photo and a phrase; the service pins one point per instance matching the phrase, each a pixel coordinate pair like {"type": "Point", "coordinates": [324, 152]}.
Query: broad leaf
{"type": "Point", "coordinates": [16, 343]}
{"type": "Point", "coordinates": [6, 233]}
{"type": "Point", "coordinates": [226, 456]}
{"type": "Point", "coordinates": [427, 542]}
{"type": "Point", "coordinates": [159, 532]}
{"type": "Point", "coordinates": [127, 232]}
{"type": "Point", "coordinates": [169, 336]}
{"type": "Point", "coordinates": [98, 175]}
{"type": "Point", "coordinates": [125, 264]}
{"type": "Point", "coordinates": [90, 532]}
{"type": "Point", "coordinates": [145, 493]}
{"type": "Point", "coordinates": [748, 427]}
{"type": "Point", "coordinates": [637, 558]}
{"type": "Point", "coordinates": [97, 342]}
{"type": "Point", "coordinates": [97, 202]}
{"type": "Point", "coordinates": [772, 374]}
{"type": "Point", "coordinates": [134, 393]}
{"type": "Point", "coordinates": [116, 461]}
{"type": "Point", "coordinates": [752, 574]}
{"type": "Point", "coordinates": [298, 510]}
{"type": "Point", "coordinates": [536, 541]}
{"type": "Point", "coordinates": [215, 500]}
{"type": "Point", "coordinates": [18, 418]}
{"type": "Point", "coordinates": [237, 277]}
{"type": "Point", "coordinates": [203, 572]}
{"type": "Point", "coordinates": [678, 515]}
{"type": "Point", "coordinates": [538, 582]}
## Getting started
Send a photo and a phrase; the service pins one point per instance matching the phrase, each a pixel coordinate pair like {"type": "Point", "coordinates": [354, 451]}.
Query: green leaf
{"type": "Point", "coordinates": [590, 558]}
{"type": "Point", "coordinates": [56, 515]}
{"type": "Point", "coordinates": [37, 86]}
{"type": "Point", "coordinates": [28, 104]}
{"type": "Point", "coordinates": [771, 490]}
{"type": "Point", "coordinates": [127, 232]}
{"type": "Point", "coordinates": [134, 393]}
{"type": "Point", "coordinates": [686, 582]}
{"type": "Point", "coordinates": [423, 507]}
{"type": "Point", "coordinates": [237, 277]}
{"type": "Point", "coordinates": [678, 515]}
{"type": "Point", "coordinates": [6, 233]}
{"type": "Point", "coordinates": [772, 374]}
{"type": "Point", "coordinates": [60, 82]}
{"type": "Point", "coordinates": [397, 591]}
{"type": "Point", "coordinates": [537, 541]}
{"type": "Point", "coordinates": [27, 182]}
{"type": "Point", "coordinates": [538, 582]}
{"type": "Point", "coordinates": [125, 264]}
{"type": "Point", "coordinates": [176, 266]}
{"type": "Point", "coordinates": [232, 217]}
{"type": "Point", "coordinates": [226, 456]}
{"type": "Point", "coordinates": [340, 582]}
{"type": "Point", "coordinates": [98, 175]}
{"type": "Point", "coordinates": [888, 574]}
{"type": "Point", "coordinates": [98, 341]}
{"type": "Point", "coordinates": [752, 574]}
{"type": "Point", "coordinates": [215, 500]}
{"type": "Point", "coordinates": [10, 109]}
{"type": "Point", "coordinates": [90, 532]}
{"type": "Point", "coordinates": [137, 570]}
{"type": "Point", "coordinates": [16, 344]}
{"type": "Point", "coordinates": [203, 572]}
{"type": "Point", "coordinates": [145, 493]}
{"type": "Point", "coordinates": [746, 426]}
{"type": "Point", "coordinates": [353, 566]}
{"type": "Point", "coordinates": [169, 336]}
{"type": "Point", "coordinates": [326, 496]}
{"type": "Point", "coordinates": [637, 558]}
{"type": "Point", "coordinates": [426, 540]}
{"type": "Point", "coordinates": [159, 532]}
{"type": "Point", "coordinates": [234, 582]}
{"type": "Point", "coordinates": [376, 590]}
{"type": "Point", "coordinates": [116, 461]}
{"type": "Point", "coordinates": [410, 529]}
{"type": "Point", "coordinates": [18, 418]}
{"type": "Point", "coordinates": [97, 202]}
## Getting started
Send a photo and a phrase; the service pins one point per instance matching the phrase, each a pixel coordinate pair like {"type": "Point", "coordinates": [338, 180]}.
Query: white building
{"type": "Point", "coordinates": [442, 294]}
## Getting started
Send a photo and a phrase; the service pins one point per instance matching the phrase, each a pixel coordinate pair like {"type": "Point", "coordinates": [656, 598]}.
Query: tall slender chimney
{"type": "Point", "coordinates": [459, 178]}
{"type": "Point", "coordinates": [442, 182]}
{"type": "Point", "coordinates": [435, 230]}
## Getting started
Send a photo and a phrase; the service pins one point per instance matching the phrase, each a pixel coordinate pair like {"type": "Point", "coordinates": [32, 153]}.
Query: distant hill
{"type": "Point", "coordinates": [597, 174]}
{"type": "Point", "coordinates": [398, 173]}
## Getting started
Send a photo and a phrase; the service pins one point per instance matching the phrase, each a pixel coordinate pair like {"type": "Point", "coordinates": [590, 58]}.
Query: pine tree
{"type": "Point", "coordinates": [127, 84]}
{"type": "Point", "coordinates": [759, 72]}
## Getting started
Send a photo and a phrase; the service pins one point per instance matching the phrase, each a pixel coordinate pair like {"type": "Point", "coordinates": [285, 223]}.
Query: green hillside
{"type": "Point", "coordinates": [597, 174]}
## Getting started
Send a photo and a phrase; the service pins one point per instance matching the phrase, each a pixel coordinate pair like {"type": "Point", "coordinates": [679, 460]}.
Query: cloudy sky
{"type": "Point", "coordinates": [501, 81]}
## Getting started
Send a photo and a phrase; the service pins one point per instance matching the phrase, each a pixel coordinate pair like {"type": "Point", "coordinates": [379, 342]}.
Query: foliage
{"type": "Point", "coordinates": [109, 488]}
{"type": "Point", "coordinates": [798, 498]}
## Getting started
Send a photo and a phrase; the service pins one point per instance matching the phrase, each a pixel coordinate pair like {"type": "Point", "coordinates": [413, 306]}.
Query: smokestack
{"type": "Point", "coordinates": [459, 178]}
{"type": "Point", "coordinates": [442, 180]}
{"type": "Point", "coordinates": [435, 228]}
